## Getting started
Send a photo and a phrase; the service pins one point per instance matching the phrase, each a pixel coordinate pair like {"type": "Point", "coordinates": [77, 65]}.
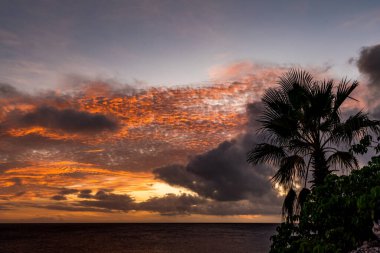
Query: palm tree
{"type": "Point", "coordinates": [304, 131]}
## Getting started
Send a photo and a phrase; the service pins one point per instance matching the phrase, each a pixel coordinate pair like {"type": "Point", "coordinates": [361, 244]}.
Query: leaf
{"type": "Point", "coordinates": [344, 91]}
{"type": "Point", "coordinates": [288, 205]}
{"type": "Point", "coordinates": [354, 128]}
{"type": "Point", "coordinates": [343, 159]}
{"type": "Point", "coordinates": [302, 197]}
{"type": "Point", "coordinates": [266, 153]}
{"type": "Point", "coordinates": [291, 167]}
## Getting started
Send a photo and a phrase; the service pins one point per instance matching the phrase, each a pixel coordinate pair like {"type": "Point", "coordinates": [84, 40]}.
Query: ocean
{"type": "Point", "coordinates": [136, 238]}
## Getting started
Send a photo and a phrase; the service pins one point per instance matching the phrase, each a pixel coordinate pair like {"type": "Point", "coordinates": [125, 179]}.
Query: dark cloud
{"type": "Point", "coordinates": [111, 201]}
{"type": "Point", "coordinates": [14, 144]}
{"type": "Point", "coordinates": [102, 201]}
{"type": "Point", "coordinates": [85, 194]}
{"type": "Point", "coordinates": [172, 204]}
{"type": "Point", "coordinates": [12, 164]}
{"type": "Point", "coordinates": [253, 111]}
{"type": "Point", "coordinates": [75, 208]}
{"type": "Point", "coordinates": [62, 194]}
{"type": "Point", "coordinates": [7, 91]}
{"type": "Point", "coordinates": [58, 197]}
{"type": "Point", "coordinates": [68, 120]}
{"type": "Point", "coordinates": [176, 175]}
{"type": "Point", "coordinates": [67, 191]}
{"type": "Point", "coordinates": [222, 173]}
{"type": "Point", "coordinates": [186, 204]}
{"type": "Point", "coordinates": [369, 64]}
{"type": "Point", "coordinates": [243, 207]}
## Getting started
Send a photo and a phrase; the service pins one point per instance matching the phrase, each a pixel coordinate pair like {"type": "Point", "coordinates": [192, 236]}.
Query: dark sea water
{"type": "Point", "coordinates": [135, 238]}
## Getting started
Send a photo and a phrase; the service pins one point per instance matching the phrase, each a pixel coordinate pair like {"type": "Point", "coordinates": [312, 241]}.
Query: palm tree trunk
{"type": "Point", "coordinates": [321, 169]}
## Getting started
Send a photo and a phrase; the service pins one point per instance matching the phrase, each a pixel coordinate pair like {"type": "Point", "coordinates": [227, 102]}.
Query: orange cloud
{"type": "Point", "coordinates": [156, 127]}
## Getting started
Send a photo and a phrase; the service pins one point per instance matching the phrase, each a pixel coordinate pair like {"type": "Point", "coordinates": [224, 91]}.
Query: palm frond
{"type": "Point", "coordinates": [343, 92]}
{"type": "Point", "coordinates": [282, 127]}
{"type": "Point", "coordinates": [329, 124]}
{"type": "Point", "coordinates": [343, 159]}
{"type": "Point", "coordinates": [288, 205]}
{"type": "Point", "coordinates": [294, 78]}
{"type": "Point", "coordinates": [321, 101]}
{"type": "Point", "coordinates": [354, 128]}
{"type": "Point", "coordinates": [291, 168]}
{"type": "Point", "coordinates": [302, 197]}
{"type": "Point", "coordinates": [299, 146]}
{"type": "Point", "coordinates": [266, 153]}
{"type": "Point", "coordinates": [276, 100]}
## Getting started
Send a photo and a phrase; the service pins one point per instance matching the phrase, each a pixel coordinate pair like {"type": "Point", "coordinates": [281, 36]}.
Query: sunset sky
{"type": "Point", "coordinates": [143, 111]}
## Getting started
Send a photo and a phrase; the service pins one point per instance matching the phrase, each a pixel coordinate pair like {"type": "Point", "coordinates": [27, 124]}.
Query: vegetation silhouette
{"type": "Point", "coordinates": [305, 131]}
{"type": "Point", "coordinates": [338, 216]}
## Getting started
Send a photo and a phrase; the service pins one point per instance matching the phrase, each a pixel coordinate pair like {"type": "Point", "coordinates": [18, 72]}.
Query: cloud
{"type": "Point", "coordinates": [72, 208]}
{"type": "Point", "coordinates": [222, 173]}
{"type": "Point", "coordinates": [185, 204]}
{"type": "Point", "coordinates": [172, 204]}
{"type": "Point", "coordinates": [168, 205]}
{"type": "Point", "coordinates": [102, 201]}
{"type": "Point", "coordinates": [68, 120]}
{"type": "Point", "coordinates": [243, 207]}
{"type": "Point", "coordinates": [85, 194]}
{"type": "Point", "coordinates": [58, 197]}
{"type": "Point", "coordinates": [66, 191]}
{"type": "Point", "coordinates": [111, 201]}
{"type": "Point", "coordinates": [62, 194]}
{"type": "Point", "coordinates": [368, 64]}
{"type": "Point", "coordinates": [7, 90]}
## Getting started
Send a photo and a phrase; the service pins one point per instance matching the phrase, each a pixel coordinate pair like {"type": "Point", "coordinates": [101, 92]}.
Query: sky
{"type": "Point", "coordinates": [143, 111]}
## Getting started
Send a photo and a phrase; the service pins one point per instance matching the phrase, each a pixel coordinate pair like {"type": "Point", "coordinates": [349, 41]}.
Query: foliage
{"type": "Point", "coordinates": [365, 143]}
{"type": "Point", "coordinates": [337, 215]}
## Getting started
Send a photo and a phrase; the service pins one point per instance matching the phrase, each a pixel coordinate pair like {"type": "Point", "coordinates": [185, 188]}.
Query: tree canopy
{"type": "Point", "coordinates": [305, 130]}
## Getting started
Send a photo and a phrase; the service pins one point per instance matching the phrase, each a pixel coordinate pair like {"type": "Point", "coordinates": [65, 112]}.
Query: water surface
{"type": "Point", "coordinates": [136, 238]}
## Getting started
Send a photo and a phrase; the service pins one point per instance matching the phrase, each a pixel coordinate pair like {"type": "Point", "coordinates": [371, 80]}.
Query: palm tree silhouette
{"type": "Point", "coordinates": [304, 131]}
